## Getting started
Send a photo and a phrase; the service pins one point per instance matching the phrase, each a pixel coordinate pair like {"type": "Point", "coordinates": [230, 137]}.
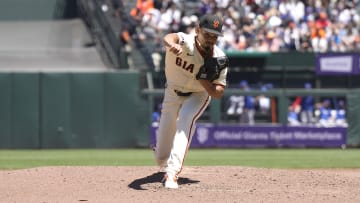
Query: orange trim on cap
{"type": "Point", "coordinates": [216, 23]}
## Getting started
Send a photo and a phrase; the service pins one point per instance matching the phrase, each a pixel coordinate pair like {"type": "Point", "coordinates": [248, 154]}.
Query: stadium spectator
{"type": "Point", "coordinates": [307, 106]}
{"type": "Point", "coordinates": [263, 101]}
{"type": "Point", "coordinates": [235, 105]}
{"type": "Point", "coordinates": [142, 7]}
{"type": "Point", "coordinates": [248, 115]}
{"type": "Point", "coordinates": [291, 37]}
{"type": "Point", "coordinates": [340, 119]}
{"type": "Point", "coordinates": [149, 23]}
{"type": "Point", "coordinates": [293, 116]}
{"type": "Point", "coordinates": [260, 25]}
{"type": "Point", "coordinates": [326, 119]}
{"type": "Point", "coordinates": [155, 116]}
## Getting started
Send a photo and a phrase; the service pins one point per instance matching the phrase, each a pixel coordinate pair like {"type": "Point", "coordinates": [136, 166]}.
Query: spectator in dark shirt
{"type": "Point", "coordinates": [307, 106]}
{"type": "Point", "coordinates": [249, 107]}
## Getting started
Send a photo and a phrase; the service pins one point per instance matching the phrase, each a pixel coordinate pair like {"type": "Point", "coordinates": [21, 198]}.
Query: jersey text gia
{"type": "Point", "coordinates": [184, 64]}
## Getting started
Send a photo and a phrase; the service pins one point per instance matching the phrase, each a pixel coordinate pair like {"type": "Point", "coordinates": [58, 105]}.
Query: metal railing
{"type": "Point", "coordinates": [103, 32]}
{"type": "Point", "coordinates": [282, 96]}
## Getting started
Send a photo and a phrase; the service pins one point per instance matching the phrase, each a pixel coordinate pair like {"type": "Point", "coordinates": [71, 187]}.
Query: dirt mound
{"type": "Point", "coordinates": [196, 184]}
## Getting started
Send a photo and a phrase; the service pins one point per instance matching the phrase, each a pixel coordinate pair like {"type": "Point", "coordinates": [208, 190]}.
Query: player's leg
{"type": "Point", "coordinates": [167, 126]}
{"type": "Point", "coordinates": [191, 110]}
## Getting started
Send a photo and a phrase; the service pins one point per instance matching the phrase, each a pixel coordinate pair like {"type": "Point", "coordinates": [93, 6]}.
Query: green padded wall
{"type": "Point", "coordinates": [55, 110]}
{"type": "Point", "coordinates": [353, 117]}
{"type": "Point", "coordinates": [86, 109]}
{"type": "Point", "coordinates": [119, 110]}
{"type": "Point", "coordinates": [25, 110]}
{"type": "Point", "coordinates": [292, 59]}
{"type": "Point", "coordinates": [92, 110]}
{"type": "Point", "coordinates": [125, 113]}
{"type": "Point", "coordinates": [89, 110]}
{"type": "Point", "coordinates": [5, 110]}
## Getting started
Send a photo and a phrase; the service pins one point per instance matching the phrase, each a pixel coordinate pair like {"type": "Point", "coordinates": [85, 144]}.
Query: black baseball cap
{"type": "Point", "coordinates": [211, 23]}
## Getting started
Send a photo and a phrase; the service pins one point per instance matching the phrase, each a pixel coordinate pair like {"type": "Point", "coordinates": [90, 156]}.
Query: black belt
{"type": "Point", "coordinates": [182, 94]}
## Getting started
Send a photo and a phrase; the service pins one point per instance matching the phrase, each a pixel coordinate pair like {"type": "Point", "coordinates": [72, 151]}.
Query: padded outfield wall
{"type": "Point", "coordinates": [109, 110]}
{"type": "Point", "coordinates": [72, 110]}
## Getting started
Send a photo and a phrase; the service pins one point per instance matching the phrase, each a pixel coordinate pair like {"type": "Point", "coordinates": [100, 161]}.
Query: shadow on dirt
{"type": "Point", "coordinates": [156, 178]}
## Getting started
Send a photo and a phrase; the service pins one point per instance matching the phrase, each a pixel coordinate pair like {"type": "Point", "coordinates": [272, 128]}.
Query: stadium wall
{"type": "Point", "coordinates": [72, 110]}
{"type": "Point", "coordinates": [109, 109]}
{"type": "Point", "coordinates": [11, 10]}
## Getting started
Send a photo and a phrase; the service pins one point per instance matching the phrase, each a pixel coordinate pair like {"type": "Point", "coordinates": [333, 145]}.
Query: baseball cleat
{"type": "Point", "coordinates": [170, 181]}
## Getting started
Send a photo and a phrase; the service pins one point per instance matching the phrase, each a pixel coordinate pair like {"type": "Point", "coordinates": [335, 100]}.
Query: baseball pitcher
{"type": "Point", "coordinates": [195, 70]}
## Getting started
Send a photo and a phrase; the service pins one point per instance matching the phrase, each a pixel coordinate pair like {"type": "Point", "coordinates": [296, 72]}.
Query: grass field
{"type": "Point", "coordinates": [264, 158]}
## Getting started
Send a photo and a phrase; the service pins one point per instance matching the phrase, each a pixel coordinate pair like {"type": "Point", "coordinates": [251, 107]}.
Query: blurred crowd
{"type": "Point", "coordinates": [328, 112]}
{"type": "Point", "coordinates": [246, 109]}
{"type": "Point", "coordinates": [255, 25]}
{"type": "Point", "coordinates": [305, 110]}
{"type": "Point", "coordinates": [252, 26]}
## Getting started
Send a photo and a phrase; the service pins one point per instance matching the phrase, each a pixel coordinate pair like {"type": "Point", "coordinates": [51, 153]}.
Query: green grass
{"type": "Point", "coordinates": [265, 158]}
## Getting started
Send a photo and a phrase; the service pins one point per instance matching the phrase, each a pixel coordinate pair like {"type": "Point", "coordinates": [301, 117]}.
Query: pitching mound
{"type": "Point", "coordinates": [196, 184]}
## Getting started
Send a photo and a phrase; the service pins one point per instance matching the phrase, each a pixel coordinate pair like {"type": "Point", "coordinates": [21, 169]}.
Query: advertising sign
{"type": "Point", "coordinates": [337, 64]}
{"type": "Point", "coordinates": [232, 136]}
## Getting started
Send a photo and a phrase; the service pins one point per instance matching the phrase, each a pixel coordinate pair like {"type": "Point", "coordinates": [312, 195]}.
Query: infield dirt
{"type": "Point", "coordinates": [196, 184]}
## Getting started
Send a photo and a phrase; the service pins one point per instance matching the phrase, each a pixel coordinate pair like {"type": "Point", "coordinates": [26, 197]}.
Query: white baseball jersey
{"type": "Point", "coordinates": [181, 69]}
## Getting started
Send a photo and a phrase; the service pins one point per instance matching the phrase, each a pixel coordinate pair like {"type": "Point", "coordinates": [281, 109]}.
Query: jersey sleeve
{"type": "Point", "coordinates": [186, 41]}
{"type": "Point", "coordinates": [223, 74]}
{"type": "Point", "coordinates": [222, 78]}
{"type": "Point", "coordinates": [181, 36]}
